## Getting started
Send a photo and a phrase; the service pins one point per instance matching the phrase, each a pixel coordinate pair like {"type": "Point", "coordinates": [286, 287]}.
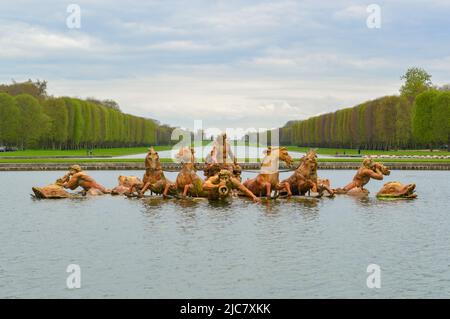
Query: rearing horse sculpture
{"type": "Point", "coordinates": [268, 179]}
{"type": "Point", "coordinates": [187, 182]}
{"type": "Point", "coordinates": [153, 180]}
{"type": "Point", "coordinates": [305, 178]}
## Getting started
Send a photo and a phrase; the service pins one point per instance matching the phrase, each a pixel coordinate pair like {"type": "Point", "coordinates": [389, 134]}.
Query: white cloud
{"type": "Point", "coordinates": [180, 45]}
{"type": "Point", "coordinates": [149, 29]}
{"type": "Point", "coordinates": [351, 12]}
{"type": "Point", "coordinates": [22, 40]}
{"type": "Point", "coordinates": [227, 100]}
{"type": "Point", "coordinates": [254, 16]}
{"type": "Point", "coordinates": [238, 62]}
{"type": "Point", "coordinates": [304, 59]}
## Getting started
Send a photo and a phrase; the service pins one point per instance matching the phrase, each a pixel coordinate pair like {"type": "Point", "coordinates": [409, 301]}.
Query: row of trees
{"type": "Point", "coordinates": [419, 117]}
{"type": "Point", "coordinates": [384, 123]}
{"type": "Point", "coordinates": [39, 121]}
{"type": "Point", "coordinates": [379, 124]}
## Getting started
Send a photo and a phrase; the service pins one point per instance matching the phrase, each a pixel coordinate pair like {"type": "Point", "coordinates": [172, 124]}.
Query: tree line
{"type": "Point", "coordinates": [418, 117]}
{"type": "Point", "coordinates": [31, 119]}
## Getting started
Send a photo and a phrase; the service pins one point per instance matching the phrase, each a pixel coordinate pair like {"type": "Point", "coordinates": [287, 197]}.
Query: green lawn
{"type": "Point", "coordinates": [74, 161]}
{"type": "Point", "coordinates": [340, 151]}
{"type": "Point", "coordinates": [120, 151]}
{"type": "Point", "coordinates": [139, 150]}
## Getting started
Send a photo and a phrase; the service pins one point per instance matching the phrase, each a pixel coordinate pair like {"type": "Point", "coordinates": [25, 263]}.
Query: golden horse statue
{"type": "Point", "coordinates": [269, 177]}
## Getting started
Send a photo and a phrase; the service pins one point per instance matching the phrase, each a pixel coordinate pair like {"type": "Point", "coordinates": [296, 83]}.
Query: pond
{"type": "Point", "coordinates": [155, 248]}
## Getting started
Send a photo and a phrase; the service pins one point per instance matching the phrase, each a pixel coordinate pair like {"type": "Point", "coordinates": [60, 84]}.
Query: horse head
{"type": "Point", "coordinates": [308, 165]}
{"type": "Point", "coordinates": [152, 159]}
{"type": "Point", "coordinates": [278, 153]}
{"type": "Point", "coordinates": [284, 156]}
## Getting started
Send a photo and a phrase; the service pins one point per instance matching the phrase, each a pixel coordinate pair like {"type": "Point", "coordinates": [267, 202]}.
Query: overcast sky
{"type": "Point", "coordinates": [229, 63]}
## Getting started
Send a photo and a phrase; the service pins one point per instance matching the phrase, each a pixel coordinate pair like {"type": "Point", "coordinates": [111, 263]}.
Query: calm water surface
{"type": "Point", "coordinates": [199, 249]}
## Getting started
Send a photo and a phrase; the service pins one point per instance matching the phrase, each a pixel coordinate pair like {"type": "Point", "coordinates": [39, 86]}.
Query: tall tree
{"type": "Point", "coordinates": [9, 120]}
{"type": "Point", "coordinates": [440, 115]}
{"type": "Point", "coordinates": [56, 110]}
{"type": "Point", "coordinates": [422, 118]}
{"type": "Point", "coordinates": [403, 130]}
{"type": "Point", "coordinates": [33, 122]}
{"type": "Point", "coordinates": [417, 80]}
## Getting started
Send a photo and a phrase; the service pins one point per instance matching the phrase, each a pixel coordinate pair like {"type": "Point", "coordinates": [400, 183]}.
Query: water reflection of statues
{"type": "Point", "coordinates": [369, 169]}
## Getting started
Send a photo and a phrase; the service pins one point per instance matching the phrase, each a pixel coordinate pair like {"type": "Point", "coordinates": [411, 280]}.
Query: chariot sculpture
{"type": "Point", "coordinates": [223, 179]}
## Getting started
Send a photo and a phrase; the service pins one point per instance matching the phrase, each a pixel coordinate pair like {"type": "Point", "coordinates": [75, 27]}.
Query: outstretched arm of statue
{"type": "Point", "coordinates": [244, 189]}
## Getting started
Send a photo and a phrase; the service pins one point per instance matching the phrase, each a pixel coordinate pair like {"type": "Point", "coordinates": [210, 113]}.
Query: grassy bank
{"type": "Point", "coordinates": [139, 150]}
{"type": "Point", "coordinates": [121, 151]}
{"type": "Point", "coordinates": [347, 151]}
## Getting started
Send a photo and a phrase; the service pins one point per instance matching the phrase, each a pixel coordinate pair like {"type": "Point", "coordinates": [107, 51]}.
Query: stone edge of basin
{"type": "Point", "coordinates": [176, 166]}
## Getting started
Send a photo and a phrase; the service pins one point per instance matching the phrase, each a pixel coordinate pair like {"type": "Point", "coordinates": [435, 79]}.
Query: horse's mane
{"type": "Point", "coordinates": [147, 160]}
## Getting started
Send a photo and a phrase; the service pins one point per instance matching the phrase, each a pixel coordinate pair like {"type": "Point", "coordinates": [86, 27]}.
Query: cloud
{"type": "Point", "coordinates": [148, 29]}
{"type": "Point", "coordinates": [241, 62]}
{"type": "Point", "coordinates": [351, 12]}
{"type": "Point", "coordinates": [226, 101]}
{"type": "Point", "coordinates": [180, 45]}
{"type": "Point", "coordinates": [23, 40]}
{"type": "Point", "coordinates": [263, 15]}
{"type": "Point", "coordinates": [312, 61]}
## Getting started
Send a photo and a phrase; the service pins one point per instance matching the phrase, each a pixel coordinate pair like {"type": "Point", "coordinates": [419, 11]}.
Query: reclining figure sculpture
{"type": "Point", "coordinates": [75, 178]}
